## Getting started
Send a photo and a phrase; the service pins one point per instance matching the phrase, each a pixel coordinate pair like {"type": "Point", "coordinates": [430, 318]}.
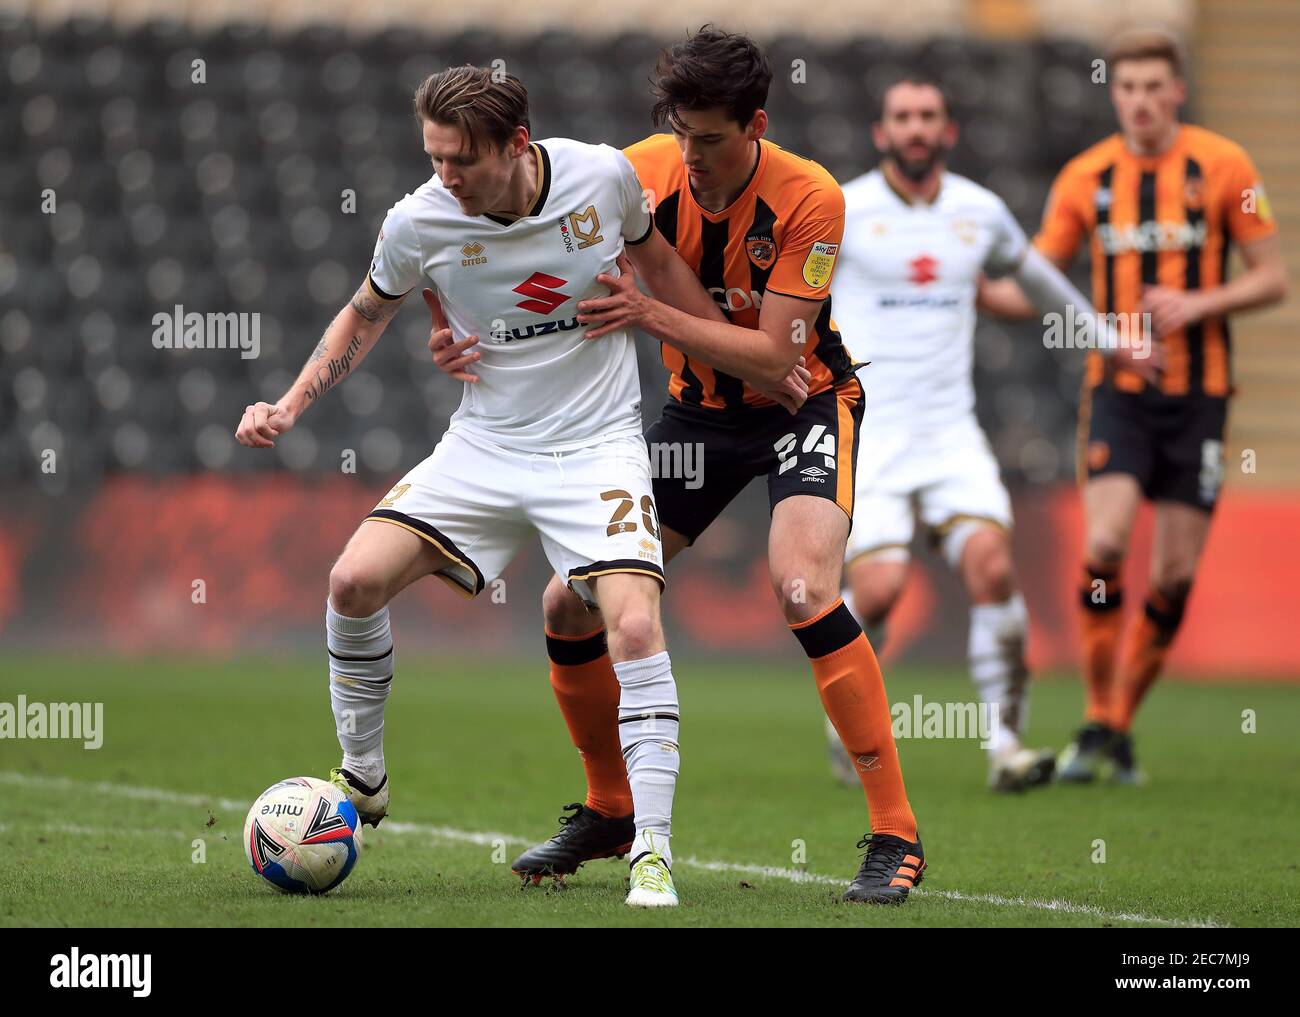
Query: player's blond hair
{"type": "Point", "coordinates": [488, 106]}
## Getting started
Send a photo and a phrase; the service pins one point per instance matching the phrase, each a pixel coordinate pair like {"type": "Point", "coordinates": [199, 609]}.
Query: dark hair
{"type": "Point", "coordinates": [916, 78]}
{"type": "Point", "coordinates": [489, 107]}
{"type": "Point", "coordinates": [1146, 44]}
{"type": "Point", "coordinates": [711, 68]}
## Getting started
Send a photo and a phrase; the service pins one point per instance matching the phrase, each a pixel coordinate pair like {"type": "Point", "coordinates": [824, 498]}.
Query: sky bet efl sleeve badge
{"type": "Point", "coordinates": [817, 266]}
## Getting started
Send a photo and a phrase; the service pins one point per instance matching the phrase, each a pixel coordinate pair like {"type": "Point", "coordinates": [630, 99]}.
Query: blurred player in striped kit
{"type": "Point", "coordinates": [917, 240]}
{"type": "Point", "coordinates": [1157, 204]}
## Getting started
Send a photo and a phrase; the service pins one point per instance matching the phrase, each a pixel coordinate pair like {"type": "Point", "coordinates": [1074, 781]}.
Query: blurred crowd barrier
{"type": "Point", "coordinates": [225, 565]}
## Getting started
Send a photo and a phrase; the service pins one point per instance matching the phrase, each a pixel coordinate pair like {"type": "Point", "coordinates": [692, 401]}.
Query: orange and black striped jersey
{"type": "Point", "coordinates": [781, 235]}
{"type": "Point", "coordinates": [1163, 220]}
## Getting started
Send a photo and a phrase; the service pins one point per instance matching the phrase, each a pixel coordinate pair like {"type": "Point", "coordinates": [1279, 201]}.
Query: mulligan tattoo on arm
{"type": "Point", "coordinates": [334, 370]}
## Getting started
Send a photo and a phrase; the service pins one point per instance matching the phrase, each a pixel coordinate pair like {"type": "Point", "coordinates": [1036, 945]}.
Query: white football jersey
{"type": "Point", "coordinates": [904, 294]}
{"type": "Point", "coordinates": [516, 285]}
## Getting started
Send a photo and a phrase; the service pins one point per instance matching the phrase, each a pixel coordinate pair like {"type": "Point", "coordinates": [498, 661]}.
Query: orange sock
{"type": "Point", "coordinates": [1144, 657]}
{"type": "Point", "coordinates": [585, 686]}
{"type": "Point", "coordinates": [853, 695]}
{"type": "Point", "coordinates": [1101, 599]}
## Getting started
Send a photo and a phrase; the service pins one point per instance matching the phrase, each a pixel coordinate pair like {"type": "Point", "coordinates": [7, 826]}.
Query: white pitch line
{"type": "Point", "coordinates": [1062, 906]}
{"type": "Point", "coordinates": [490, 839]}
{"type": "Point", "coordinates": [93, 831]}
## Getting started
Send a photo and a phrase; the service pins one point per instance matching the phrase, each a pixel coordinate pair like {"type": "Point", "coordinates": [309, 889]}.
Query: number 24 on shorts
{"type": "Point", "coordinates": [819, 442]}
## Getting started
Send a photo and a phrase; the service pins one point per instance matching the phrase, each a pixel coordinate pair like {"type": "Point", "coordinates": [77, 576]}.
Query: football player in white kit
{"type": "Point", "coordinates": [916, 241]}
{"type": "Point", "coordinates": [511, 235]}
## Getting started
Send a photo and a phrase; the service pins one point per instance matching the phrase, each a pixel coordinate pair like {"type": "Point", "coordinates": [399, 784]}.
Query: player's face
{"type": "Point", "coordinates": [914, 129]}
{"type": "Point", "coordinates": [479, 184]}
{"type": "Point", "coordinates": [717, 151]}
{"type": "Point", "coordinates": [1146, 95]}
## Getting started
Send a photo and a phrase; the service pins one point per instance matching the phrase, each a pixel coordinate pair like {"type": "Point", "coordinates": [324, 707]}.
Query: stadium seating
{"type": "Point", "coordinates": [227, 195]}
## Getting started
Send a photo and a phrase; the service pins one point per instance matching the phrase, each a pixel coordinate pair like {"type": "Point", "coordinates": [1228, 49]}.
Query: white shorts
{"type": "Point", "coordinates": [944, 480]}
{"type": "Point", "coordinates": [478, 502]}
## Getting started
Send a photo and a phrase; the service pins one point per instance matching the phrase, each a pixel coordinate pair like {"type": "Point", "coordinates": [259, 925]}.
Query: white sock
{"type": "Point", "coordinates": [647, 730]}
{"type": "Point", "coordinates": [361, 675]}
{"type": "Point", "coordinates": [875, 633]}
{"type": "Point", "coordinates": [997, 666]}
{"type": "Point", "coordinates": [846, 595]}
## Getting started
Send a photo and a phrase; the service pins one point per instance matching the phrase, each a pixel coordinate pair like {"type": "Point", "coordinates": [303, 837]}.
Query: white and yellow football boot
{"type": "Point", "coordinates": [371, 803]}
{"type": "Point", "coordinates": [651, 883]}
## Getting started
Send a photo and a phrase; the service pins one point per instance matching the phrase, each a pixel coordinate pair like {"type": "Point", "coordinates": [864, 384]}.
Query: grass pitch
{"type": "Point", "coordinates": [480, 763]}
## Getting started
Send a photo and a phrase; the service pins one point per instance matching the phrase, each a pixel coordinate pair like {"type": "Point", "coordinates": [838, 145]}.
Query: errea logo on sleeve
{"type": "Point", "coordinates": [75, 970]}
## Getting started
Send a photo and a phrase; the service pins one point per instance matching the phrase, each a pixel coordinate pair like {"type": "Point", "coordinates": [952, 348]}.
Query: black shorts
{"type": "Point", "coordinates": [1172, 445]}
{"type": "Point", "coordinates": [701, 459]}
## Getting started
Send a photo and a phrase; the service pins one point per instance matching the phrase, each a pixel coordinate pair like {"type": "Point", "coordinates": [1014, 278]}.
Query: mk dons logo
{"type": "Point", "coordinates": [473, 254]}
{"type": "Point", "coordinates": [586, 227]}
{"type": "Point", "coordinates": [538, 288]}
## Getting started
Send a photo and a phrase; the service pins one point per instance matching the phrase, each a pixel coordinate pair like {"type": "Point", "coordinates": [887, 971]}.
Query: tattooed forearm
{"type": "Point", "coordinates": [334, 370]}
{"type": "Point", "coordinates": [371, 308]}
{"type": "Point", "coordinates": [319, 352]}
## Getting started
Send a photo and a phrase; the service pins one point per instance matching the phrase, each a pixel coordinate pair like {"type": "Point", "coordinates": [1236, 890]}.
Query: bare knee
{"type": "Point", "coordinates": [1173, 582]}
{"type": "Point", "coordinates": [355, 590]}
{"type": "Point", "coordinates": [635, 633]}
{"type": "Point", "coordinates": [876, 587]}
{"type": "Point", "coordinates": [987, 569]}
{"type": "Point", "coordinates": [1106, 548]}
{"type": "Point", "coordinates": [1109, 507]}
{"type": "Point", "coordinates": [564, 612]}
{"type": "Point", "coordinates": [804, 596]}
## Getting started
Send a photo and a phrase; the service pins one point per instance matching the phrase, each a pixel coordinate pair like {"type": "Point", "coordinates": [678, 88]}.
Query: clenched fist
{"type": "Point", "coordinates": [261, 423]}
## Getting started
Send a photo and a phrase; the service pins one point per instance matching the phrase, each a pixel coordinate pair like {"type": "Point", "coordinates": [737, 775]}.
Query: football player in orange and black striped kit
{"type": "Point", "coordinates": [1158, 205]}
{"type": "Point", "coordinates": [761, 227]}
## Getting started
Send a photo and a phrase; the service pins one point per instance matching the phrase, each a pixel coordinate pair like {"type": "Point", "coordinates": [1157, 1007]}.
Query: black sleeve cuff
{"type": "Point", "coordinates": [645, 237]}
{"type": "Point", "coordinates": [380, 293]}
